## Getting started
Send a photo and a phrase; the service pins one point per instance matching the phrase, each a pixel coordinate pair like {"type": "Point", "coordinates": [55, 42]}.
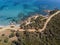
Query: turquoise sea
{"type": "Point", "coordinates": [10, 9]}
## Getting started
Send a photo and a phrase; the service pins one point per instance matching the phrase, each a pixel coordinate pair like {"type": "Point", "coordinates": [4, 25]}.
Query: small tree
{"type": "Point", "coordinates": [17, 34]}
{"type": "Point", "coordinates": [3, 34]}
{"type": "Point", "coordinates": [5, 40]}
{"type": "Point", "coordinates": [11, 35]}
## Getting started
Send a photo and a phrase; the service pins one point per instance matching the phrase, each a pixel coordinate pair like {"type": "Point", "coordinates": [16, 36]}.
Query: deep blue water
{"type": "Point", "coordinates": [11, 8]}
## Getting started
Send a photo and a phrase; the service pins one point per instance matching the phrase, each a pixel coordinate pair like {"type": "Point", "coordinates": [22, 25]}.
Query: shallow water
{"type": "Point", "coordinates": [11, 8]}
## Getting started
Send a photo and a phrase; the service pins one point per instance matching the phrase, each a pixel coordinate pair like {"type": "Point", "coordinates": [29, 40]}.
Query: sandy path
{"type": "Point", "coordinates": [30, 30]}
{"type": "Point", "coordinates": [47, 21]}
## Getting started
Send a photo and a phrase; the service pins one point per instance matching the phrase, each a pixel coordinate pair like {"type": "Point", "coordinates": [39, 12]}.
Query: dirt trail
{"type": "Point", "coordinates": [30, 30]}
{"type": "Point", "coordinates": [47, 21]}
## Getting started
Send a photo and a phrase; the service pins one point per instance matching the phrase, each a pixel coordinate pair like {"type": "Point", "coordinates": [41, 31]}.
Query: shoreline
{"type": "Point", "coordinates": [8, 23]}
{"type": "Point", "coordinates": [17, 28]}
{"type": "Point", "coordinates": [14, 26]}
{"type": "Point", "coordinates": [24, 20]}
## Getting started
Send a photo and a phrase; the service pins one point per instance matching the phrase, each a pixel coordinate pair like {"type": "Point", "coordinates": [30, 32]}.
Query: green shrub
{"type": "Point", "coordinates": [3, 34]}
{"type": "Point", "coordinates": [11, 35]}
{"type": "Point", "coordinates": [6, 40]}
